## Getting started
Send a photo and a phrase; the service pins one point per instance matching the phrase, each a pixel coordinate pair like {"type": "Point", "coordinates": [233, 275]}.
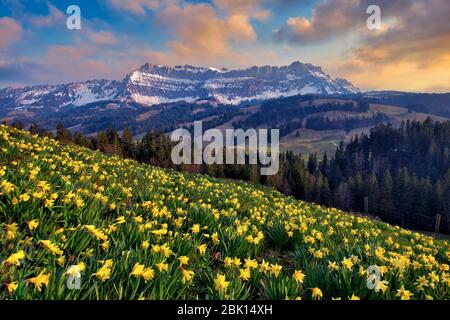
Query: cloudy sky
{"type": "Point", "coordinates": [410, 52]}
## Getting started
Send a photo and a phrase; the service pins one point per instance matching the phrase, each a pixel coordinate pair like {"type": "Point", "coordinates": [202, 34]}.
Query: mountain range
{"type": "Point", "coordinates": [154, 84]}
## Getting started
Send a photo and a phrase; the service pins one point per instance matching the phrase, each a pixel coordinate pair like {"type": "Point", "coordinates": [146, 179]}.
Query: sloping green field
{"type": "Point", "coordinates": [76, 224]}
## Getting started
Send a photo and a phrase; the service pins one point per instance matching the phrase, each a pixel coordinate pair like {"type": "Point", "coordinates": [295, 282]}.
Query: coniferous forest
{"type": "Point", "coordinates": [400, 175]}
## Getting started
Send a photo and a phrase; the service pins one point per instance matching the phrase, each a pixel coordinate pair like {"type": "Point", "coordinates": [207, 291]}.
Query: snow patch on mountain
{"type": "Point", "coordinates": [154, 100]}
{"type": "Point", "coordinates": [84, 94]}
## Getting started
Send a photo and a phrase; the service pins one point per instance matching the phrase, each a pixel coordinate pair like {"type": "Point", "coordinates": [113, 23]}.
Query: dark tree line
{"type": "Point", "coordinates": [293, 113]}
{"type": "Point", "coordinates": [279, 111]}
{"type": "Point", "coordinates": [102, 115]}
{"type": "Point", "coordinates": [347, 123]}
{"type": "Point", "coordinates": [404, 172]}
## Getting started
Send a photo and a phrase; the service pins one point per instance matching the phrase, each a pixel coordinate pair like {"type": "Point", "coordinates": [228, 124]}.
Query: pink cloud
{"type": "Point", "coordinates": [332, 18]}
{"type": "Point", "coordinates": [84, 61]}
{"type": "Point", "coordinates": [140, 6]}
{"type": "Point", "coordinates": [103, 38]}
{"type": "Point", "coordinates": [54, 17]}
{"type": "Point", "coordinates": [75, 62]}
{"type": "Point", "coordinates": [10, 31]}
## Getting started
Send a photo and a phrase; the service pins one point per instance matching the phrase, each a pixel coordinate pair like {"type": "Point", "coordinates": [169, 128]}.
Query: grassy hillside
{"type": "Point", "coordinates": [137, 232]}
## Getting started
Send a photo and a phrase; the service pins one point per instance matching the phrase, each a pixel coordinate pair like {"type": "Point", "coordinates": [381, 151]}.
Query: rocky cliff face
{"type": "Point", "coordinates": [153, 84]}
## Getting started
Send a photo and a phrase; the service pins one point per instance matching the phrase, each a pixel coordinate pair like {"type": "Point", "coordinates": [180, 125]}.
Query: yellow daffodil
{"type": "Point", "coordinates": [404, 294]}
{"type": "Point", "coordinates": [32, 224]}
{"type": "Point", "coordinates": [195, 228]}
{"type": "Point", "coordinates": [148, 274]}
{"type": "Point", "coordinates": [347, 263]}
{"type": "Point", "coordinates": [202, 249]}
{"type": "Point", "coordinates": [53, 248]}
{"type": "Point", "coordinates": [39, 281]}
{"type": "Point", "coordinates": [220, 283]}
{"type": "Point", "coordinates": [11, 230]}
{"type": "Point", "coordinates": [188, 275]}
{"type": "Point", "coordinates": [162, 266]}
{"type": "Point", "coordinates": [145, 245]}
{"type": "Point", "coordinates": [250, 263]}
{"type": "Point", "coordinates": [24, 197]}
{"type": "Point", "coordinates": [138, 270]}
{"type": "Point", "coordinates": [12, 287]}
{"type": "Point", "coordinates": [120, 220]}
{"type": "Point", "coordinates": [215, 238]}
{"type": "Point", "coordinates": [316, 293]}
{"type": "Point", "coordinates": [275, 270]}
{"type": "Point", "coordinates": [104, 273]}
{"type": "Point", "coordinates": [61, 260]}
{"type": "Point", "coordinates": [96, 233]}
{"type": "Point", "coordinates": [298, 276]}
{"type": "Point", "coordinates": [264, 267]}
{"type": "Point", "coordinates": [228, 262]}
{"type": "Point", "coordinates": [183, 260]}
{"type": "Point", "coordinates": [332, 265]}
{"type": "Point", "coordinates": [245, 274]}
{"type": "Point", "coordinates": [15, 258]}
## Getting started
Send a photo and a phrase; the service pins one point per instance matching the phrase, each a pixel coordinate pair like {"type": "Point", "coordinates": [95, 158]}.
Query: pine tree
{"type": "Point", "coordinates": [116, 145]}
{"type": "Point", "coordinates": [62, 134]}
{"type": "Point", "coordinates": [127, 142]}
{"type": "Point", "coordinates": [325, 193]}
{"type": "Point", "coordinates": [17, 124]}
{"type": "Point", "coordinates": [102, 141]}
{"type": "Point", "coordinates": [372, 194]}
{"type": "Point", "coordinates": [34, 129]}
{"type": "Point", "coordinates": [402, 195]}
{"type": "Point", "coordinates": [312, 163]}
{"type": "Point", "coordinates": [385, 199]}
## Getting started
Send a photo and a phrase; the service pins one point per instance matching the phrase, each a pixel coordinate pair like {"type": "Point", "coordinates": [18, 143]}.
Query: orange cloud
{"type": "Point", "coordinates": [410, 52]}
{"type": "Point", "coordinates": [202, 33]}
{"type": "Point", "coordinates": [202, 36]}
{"type": "Point", "coordinates": [251, 8]}
{"type": "Point", "coordinates": [10, 31]}
{"type": "Point", "coordinates": [239, 28]}
{"type": "Point", "coordinates": [403, 76]}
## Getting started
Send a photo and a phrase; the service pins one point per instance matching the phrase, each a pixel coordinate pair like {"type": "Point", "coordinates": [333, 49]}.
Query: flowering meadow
{"type": "Point", "coordinates": [77, 224]}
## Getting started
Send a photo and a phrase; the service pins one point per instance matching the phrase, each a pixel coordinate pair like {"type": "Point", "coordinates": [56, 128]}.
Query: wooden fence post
{"type": "Point", "coordinates": [438, 224]}
{"type": "Point", "coordinates": [448, 217]}
{"type": "Point", "coordinates": [366, 205]}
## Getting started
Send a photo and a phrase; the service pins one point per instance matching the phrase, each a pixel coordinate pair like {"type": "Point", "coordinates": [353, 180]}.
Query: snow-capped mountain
{"type": "Point", "coordinates": [57, 96]}
{"type": "Point", "coordinates": [154, 84]}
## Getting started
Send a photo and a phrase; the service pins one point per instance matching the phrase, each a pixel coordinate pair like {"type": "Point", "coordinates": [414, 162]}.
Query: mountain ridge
{"type": "Point", "coordinates": [156, 84]}
{"type": "Point", "coordinates": [229, 86]}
